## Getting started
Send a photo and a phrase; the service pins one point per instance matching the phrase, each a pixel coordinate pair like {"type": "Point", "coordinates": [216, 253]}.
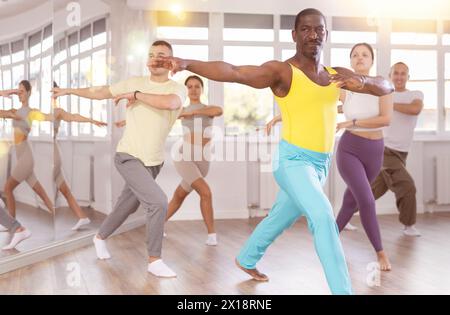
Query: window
{"type": "Point", "coordinates": [248, 27]}
{"type": "Point", "coordinates": [5, 54]}
{"type": "Point", "coordinates": [85, 38]}
{"type": "Point", "coordinates": [344, 37]}
{"type": "Point", "coordinates": [28, 57]}
{"type": "Point", "coordinates": [81, 61]}
{"type": "Point", "coordinates": [287, 24]}
{"type": "Point", "coordinates": [414, 32]}
{"type": "Point", "coordinates": [99, 78]}
{"type": "Point", "coordinates": [18, 53]}
{"type": "Point", "coordinates": [287, 53]}
{"type": "Point", "coordinates": [423, 76]}
{"type": "Point", "coordinates": [352, 30]}
{"type": "Point", "coordinates": [447, 91]}
{"type": "Point", "coordinates": [35, 44]}
{"type": "Point", "coordinates": [446, 35]}
{"type": "Point", "coordinates": [191, 26]}
{"type": "Point", "coordinates": [245, 108]}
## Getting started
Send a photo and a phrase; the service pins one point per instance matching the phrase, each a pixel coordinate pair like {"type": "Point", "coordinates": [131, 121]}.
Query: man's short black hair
{"type": "Point", "coordinates": [309, 11]}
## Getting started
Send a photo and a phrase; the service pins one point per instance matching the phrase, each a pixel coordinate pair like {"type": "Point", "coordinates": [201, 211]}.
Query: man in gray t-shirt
{"type": "Point", "coordinates": [397, 140]}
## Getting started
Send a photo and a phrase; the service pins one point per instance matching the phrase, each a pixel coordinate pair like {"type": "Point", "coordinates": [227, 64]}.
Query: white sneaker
{"type": "Point", "coordinates": [411, 231]}
{"type": "Point", "coordinates": [3, 229]}
{"type": "Point", "coordinates": [350, 227]}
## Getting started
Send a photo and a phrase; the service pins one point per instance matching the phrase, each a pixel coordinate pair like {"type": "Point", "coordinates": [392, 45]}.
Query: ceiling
{"type": "Point", "coordinates": [14, 7]}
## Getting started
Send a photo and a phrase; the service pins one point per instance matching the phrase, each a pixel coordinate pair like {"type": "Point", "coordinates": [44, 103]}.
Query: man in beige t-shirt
{"type": "Point", "coordinates": [154, 103]}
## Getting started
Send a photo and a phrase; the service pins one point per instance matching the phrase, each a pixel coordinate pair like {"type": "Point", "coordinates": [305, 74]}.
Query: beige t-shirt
{"type": "Point", "coordinates": [147, 127]}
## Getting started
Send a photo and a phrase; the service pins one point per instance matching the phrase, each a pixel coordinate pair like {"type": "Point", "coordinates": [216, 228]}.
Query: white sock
{"type": "Point", "coordinates": [80, 223]}
{"type": "Point", "coordinates": [100, 248]}
{"type": "Point", "coordinates": [164, 234]}
{"type": "Point", "coordinates": [17, 238]}
{"type": "Point", "coordinates": [411, 231]}
{"type": "Point", "coordinates": [350, 227]}
{"type": "Point", "coordinates": [212, 239]}
{"type": "Point", "coordinates": [159, 268]}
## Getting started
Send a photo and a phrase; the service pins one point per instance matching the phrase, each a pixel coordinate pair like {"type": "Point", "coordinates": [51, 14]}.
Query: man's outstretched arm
{"type": "Point", "coordinates": [266, 75]}
{"type": "Point", "coordinates": [93, 93]}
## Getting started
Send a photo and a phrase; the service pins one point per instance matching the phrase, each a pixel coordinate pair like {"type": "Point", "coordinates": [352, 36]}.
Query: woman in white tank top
{"type": "Point", "coordinates": [360, 151]}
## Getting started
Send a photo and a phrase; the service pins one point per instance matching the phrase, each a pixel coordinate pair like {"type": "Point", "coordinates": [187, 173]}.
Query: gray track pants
{"type": "Point", "coordinates": [140, 189]}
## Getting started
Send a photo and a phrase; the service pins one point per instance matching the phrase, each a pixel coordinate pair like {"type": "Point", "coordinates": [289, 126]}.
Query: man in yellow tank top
{"type": "Point", "coordinates": [307, 94]}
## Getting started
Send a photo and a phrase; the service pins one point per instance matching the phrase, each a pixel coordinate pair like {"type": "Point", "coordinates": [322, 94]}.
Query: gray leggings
{"type": "Point", "coordinates": [8, 221]}
{"type": "Point", "coordinates": [140, 189]}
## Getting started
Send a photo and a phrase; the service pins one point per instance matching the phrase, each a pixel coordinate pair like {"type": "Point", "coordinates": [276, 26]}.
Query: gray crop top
{"type": "Point", "coordinates": [24, 124]}
{"type": "Point", "coordinates": [197, 120]}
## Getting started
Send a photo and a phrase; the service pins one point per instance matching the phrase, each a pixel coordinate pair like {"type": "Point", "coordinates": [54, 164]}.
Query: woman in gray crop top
{"type": "Point", "coordinates": [24, 169]}
{"type": "Point", "coordinates": [59, 115]}
{"type": "Point", "coordinates": [197, 120]}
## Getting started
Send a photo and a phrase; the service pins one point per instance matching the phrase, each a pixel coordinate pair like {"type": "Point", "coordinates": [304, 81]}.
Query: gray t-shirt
{"type": "Point", "coordinates": [399, 134]}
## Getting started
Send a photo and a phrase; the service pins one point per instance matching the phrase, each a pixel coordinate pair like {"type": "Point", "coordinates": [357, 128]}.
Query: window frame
{"type": "Point", "coordinates": [89, 53]}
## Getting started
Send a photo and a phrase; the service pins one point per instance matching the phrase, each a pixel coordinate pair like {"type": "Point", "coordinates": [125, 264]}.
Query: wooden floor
{"type": "Point", "coordinates": [39, 221]}
{"type": "Point", "coordinates": [420, 265]}
{"type": "Point", "coordinates": [47, 228]}
{"type": "Point", "coordinates": [65, 219]}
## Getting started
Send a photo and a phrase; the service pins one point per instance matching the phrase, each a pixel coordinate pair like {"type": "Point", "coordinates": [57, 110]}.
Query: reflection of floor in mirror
{"type": "Point", "coordinates": [38, 221]}
{"type": "Point", "coordinates": [65, 219]}
{"type": "Point", "coordinates": [420, 264]}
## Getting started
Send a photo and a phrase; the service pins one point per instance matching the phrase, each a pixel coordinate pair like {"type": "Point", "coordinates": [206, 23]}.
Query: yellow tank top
{"type": "Point", "coordinates": [309, 113]}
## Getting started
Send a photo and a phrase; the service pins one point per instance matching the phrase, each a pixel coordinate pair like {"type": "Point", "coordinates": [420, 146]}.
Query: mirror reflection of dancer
{"type": "Point", "coordinates": [307, 94]}
{"type": "Point", "coordinates": [154, 103]}
{"type": "Point", "coordinates": [197, 120]}
{"type": "Point", "coordinates": [59, 115]}
{"type": "Point", "coordinates": [24, 169]}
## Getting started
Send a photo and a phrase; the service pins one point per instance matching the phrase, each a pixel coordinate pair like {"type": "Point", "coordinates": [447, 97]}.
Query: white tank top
{"type": "Point", "coordinates": [361, 106]}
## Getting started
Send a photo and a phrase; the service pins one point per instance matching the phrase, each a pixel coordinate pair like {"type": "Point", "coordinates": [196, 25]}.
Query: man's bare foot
{"type": "Point", "coordinates": [383, 260]}
{"type": "Point", "coordinates": [254, 273]}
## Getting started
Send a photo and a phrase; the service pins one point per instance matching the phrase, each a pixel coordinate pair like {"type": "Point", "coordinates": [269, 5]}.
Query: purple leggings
{"type": "Point", "coordinates": [359, 161]}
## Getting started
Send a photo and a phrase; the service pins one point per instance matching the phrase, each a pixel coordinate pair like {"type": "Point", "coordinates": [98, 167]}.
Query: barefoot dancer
{"type": "Point", "coordinates": [307, 94]}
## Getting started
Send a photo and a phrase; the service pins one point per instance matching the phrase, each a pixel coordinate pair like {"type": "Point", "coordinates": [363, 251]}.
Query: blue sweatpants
{"type": "Point", "coordinates": [301, 173]}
